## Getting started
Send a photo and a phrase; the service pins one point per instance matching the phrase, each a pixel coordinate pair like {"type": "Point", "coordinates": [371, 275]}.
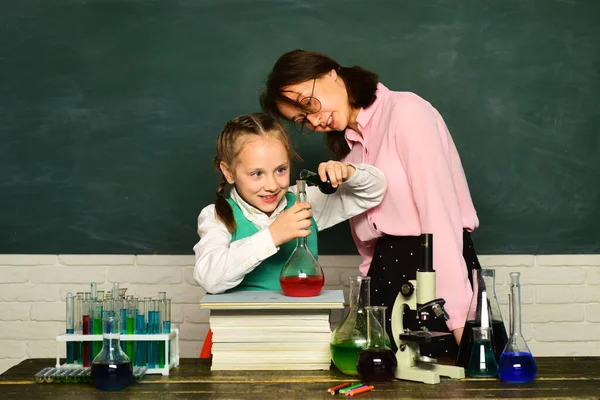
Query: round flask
{"type": "Point", "coordinates": [301, 276]}
{"type": "Point", "coordinates": [111, 369]}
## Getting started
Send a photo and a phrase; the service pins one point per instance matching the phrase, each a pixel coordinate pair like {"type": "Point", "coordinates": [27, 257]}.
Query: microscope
{"type": "Point", "coordinates": [419, 295]}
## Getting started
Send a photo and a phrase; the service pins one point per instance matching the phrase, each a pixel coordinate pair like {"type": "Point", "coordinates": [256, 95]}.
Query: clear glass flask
{"type": "Point", "coordinates": [482, 361]}
{"type": "Point", "coordinates": [350, 337]}
{"type": "Point", "coordinates": [516, 364]}
{"type": "Point", "coordinates": [111, 369]}
{"type": "Point", "coordinates": [376, 362]}
{"type": "Point", "coordinates": [483, 303]}
{"type": "Point", "coordinates": [313, 179]}
{"type": "Point", "coordinates": [301, 276]}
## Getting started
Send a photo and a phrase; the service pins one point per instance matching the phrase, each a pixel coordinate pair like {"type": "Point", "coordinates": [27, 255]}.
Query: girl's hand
{"type": "Point", "coordinates": [291, 224]}
{"type": "Point", "coordinates": [336, 171]}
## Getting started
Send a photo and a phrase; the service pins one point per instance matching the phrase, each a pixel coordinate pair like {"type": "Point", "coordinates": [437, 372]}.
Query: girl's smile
{"type": "Point", "coordinates": [261, 174]}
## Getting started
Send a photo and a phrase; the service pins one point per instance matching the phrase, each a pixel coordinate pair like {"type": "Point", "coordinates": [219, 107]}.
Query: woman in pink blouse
{"type": "Point", "coordinates": [404, 136]}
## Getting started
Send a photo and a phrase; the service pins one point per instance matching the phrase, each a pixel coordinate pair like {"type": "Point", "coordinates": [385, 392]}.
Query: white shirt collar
{"type": "Point", "coordinates": [253, 214]}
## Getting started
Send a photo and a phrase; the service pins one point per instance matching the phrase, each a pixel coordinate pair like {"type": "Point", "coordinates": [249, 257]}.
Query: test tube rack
{"type": "Point", "coordinates": [170, 362]}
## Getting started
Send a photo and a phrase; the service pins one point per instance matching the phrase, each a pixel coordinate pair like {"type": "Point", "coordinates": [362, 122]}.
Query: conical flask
{"type": "Point", "coordinates": [313, 179]}
{"type": "Point", "coordinates": [484, 312]}
{"type": "Point", "coordinates": [376, 362]}
{"type": "Point", "coordinates": [301, 276]}
{"type": "Point", "coordinates": [350, 337]}
{"type": "Point", "coordinates": [111, 369]}
{"type": "Point", "coordinates": [516, 364]}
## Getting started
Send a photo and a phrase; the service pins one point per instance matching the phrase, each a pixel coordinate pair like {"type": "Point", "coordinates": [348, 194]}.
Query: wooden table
{"type": "Point", "coordinates": [558, 378]}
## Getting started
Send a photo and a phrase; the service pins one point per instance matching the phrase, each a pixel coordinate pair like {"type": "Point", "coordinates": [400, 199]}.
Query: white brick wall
{"type": "Point", "coordinates": [560, 297]}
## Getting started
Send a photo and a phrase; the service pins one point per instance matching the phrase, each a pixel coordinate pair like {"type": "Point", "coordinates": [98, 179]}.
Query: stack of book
{"type": "Point", "coordinates": [266, 330]}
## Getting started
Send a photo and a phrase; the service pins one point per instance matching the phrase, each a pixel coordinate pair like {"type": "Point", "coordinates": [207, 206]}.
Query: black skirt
{"type": "Point", "coordinates": [386, 280]}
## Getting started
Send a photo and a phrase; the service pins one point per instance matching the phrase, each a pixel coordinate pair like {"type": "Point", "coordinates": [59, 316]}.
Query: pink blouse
{"type": "Point", "coordinates": [406, 138]}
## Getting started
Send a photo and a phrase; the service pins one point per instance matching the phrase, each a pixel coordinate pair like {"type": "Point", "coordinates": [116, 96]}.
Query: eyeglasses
{"type": "Point", "coordinates": [312, 105]}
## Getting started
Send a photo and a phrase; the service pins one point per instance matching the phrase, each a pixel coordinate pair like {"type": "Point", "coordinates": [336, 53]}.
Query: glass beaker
{"type": "Point", "coordinates": [482, 362]}
{"type": "Point", "coordinates": [301, 276]}
{"type": "Point", "coordinates": [313, 179]}
{"type": "Point", "coordinates": [516, 363]}
{"type": "Point", "coordinates": [376, 362]}
{"type": "Point", "coordinates": [350, 337]}
{"type": "Point", "coordinates": [111, 369]}
{"type": "Point", "coordinates": [484, 291]}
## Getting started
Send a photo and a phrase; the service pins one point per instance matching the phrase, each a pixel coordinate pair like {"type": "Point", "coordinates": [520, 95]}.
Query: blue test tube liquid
{"type": "Point", "coordinates": [123, 322]}
{"type": "Point", "coordinates": [70, 328]}
{"type": "Point", "coordinates": [141, 346]}
{"type": "Point", "coordinates": [152, 314]}
{"type": "Point", "coordinates": [167, 326]}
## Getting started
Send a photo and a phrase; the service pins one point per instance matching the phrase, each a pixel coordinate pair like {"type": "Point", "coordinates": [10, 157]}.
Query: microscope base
{"type": "Point", "coordinates": [429, 373]}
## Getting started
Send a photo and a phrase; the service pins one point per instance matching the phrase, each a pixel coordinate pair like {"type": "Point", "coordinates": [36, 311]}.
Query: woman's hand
{"type": "Point", "coordinates": [336, 171]}
{"type": "Point", "coordinates": [291, 224]}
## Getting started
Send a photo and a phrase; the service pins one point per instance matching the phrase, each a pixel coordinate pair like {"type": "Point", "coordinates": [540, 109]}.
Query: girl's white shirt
{"type": "Point", "coordinates": [222, 264]}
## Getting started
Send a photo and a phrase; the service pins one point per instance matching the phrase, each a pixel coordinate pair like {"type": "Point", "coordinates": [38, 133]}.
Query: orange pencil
{"type": "Point", "coordinates": [343, 385]}
{"type": "Point", "coordinates": [359, 390]}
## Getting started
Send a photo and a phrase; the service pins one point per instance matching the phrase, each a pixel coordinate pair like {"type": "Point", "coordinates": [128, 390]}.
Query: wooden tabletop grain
{"type": "Point", "coordinates": [558, 378]}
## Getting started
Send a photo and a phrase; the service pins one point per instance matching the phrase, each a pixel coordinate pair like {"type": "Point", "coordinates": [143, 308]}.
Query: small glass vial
{"type": "Point", "coordinates": [482, 362]}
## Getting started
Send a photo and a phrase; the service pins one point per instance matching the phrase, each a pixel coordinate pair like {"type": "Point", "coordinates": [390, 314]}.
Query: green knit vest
{"type": "Point", "coordinates": [266, 275]}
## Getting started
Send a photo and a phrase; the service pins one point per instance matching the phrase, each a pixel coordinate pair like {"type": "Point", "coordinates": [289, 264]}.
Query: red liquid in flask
{"type": "Point", "coordinates": [296, 286]}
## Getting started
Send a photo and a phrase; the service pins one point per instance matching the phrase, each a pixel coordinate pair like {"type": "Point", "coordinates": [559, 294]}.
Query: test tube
{"type": "Point", "coordinates": [167, 326]}
{"type": "Point", "coordinates": [108, 308]}
{"type": "Point", "coordinates": [130, 327]}
{"type": "Point", "coordinates": [162, 297]}
{"type": "Point", "coordinates": [78, 321]}
{"type": "Point", "coordinates": [141, 347]}
{"type": "Point", "coordinates": [85, 311]}
{"type": "Point", "coordinates": [152, 325]}
{"type": "Point", "coordinates": [92, 300]}
{"type": "Point", "coordinates": [123, 322]}
{"type": "Point", "coordinates": [70, 328]}
{"type": "Point", "coordinates": [97, 325]}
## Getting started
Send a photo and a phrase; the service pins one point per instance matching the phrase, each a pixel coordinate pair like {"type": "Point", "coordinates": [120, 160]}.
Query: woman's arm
{"type": "Point", "coordinates": [222, 264]}
{"type": "Point", "coordinates": [362, 191]}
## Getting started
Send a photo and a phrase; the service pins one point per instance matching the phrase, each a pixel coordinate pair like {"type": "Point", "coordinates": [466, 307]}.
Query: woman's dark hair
{"type": "Point", "coordinates": [230, 145]}
{"type": "Point", "coordinates": [299, 66]}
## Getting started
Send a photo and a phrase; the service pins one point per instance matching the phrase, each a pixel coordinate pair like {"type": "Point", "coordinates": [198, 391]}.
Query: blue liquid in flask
{"type": "Point", "coordinates": [517, 367]}
{"type": "Point", "coordinates": [112, 376]}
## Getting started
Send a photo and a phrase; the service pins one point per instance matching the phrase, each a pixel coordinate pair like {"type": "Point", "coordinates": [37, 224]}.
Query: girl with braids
{"type": "Point", "coordinates": [247, 236]}
{"type": "Point", "coordinates": [406, 137]}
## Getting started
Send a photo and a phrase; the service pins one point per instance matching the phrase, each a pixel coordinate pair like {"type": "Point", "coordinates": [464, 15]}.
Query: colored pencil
{"type": "Point", "coordinates": [338, 387]}
{"type": "Point", "coordinates": [360, 390]}
{"type": "Point", "coordinates": [354, 386]}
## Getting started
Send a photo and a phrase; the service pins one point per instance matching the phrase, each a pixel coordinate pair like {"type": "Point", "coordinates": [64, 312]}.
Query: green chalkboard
{"type": "Point", "coordinates": [109, 110]}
